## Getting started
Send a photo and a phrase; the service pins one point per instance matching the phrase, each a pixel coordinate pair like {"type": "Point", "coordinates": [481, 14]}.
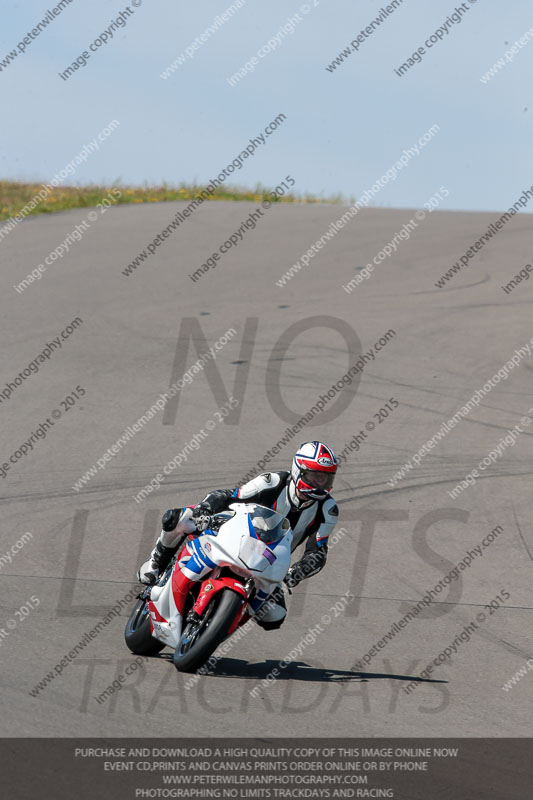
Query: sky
{"type": "Point", "coordinates": [343, 129]}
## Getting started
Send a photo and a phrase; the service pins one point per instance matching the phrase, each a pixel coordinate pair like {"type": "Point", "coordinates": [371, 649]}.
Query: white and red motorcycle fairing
{"type": "Point", "coordinates": [252, 541]}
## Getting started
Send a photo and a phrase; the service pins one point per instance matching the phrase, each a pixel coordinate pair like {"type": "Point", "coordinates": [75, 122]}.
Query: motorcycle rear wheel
{"type": "Point", "coordinates": [137, 632]}
{"type": "Point", "coordinates": [200, 640]}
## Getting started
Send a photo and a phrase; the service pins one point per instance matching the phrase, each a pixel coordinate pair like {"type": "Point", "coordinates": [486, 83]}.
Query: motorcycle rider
{"type": "Point", "coordinates": [301, 495]}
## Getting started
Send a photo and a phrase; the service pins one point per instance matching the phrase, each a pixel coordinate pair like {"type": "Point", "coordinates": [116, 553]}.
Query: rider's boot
{"type": "Point", "coordinates": [177, 525]}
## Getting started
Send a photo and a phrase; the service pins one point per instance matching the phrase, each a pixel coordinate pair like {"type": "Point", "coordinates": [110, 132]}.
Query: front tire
{"type": "Point", "coordinates": [199, 640]}
{"type": "Point", "coordinates": [137, 632]}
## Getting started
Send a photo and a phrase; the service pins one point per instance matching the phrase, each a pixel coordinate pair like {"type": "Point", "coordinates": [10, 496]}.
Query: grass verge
{"type": "Point", "coordinates": [15, 197]}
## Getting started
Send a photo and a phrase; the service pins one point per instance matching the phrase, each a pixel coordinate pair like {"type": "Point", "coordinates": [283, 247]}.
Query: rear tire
{"type": "Point", "coordinates": [214, 626]}
{"type": "Point", "coordinates": [137, 632]}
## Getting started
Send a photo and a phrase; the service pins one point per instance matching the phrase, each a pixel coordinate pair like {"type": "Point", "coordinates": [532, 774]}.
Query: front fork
{"type": "Point", "coordinates": [214, 584]}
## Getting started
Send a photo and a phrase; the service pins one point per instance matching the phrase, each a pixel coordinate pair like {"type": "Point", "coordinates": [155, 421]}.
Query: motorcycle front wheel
{"type": "Point", "coordinates": [137, 632]}
{"type": "Point", "coordinates": [200, 639]}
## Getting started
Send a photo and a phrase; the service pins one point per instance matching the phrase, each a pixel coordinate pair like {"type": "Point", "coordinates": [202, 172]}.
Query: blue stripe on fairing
{"type": "Point", "coordinates": [272, 545]}
{"type": "Point", "coordinates": [200, 555]}
{"type": "Point", "coordinates": [235, 492]}
{"type": "Point", "coordinates": [253, 533]}
{"type": "Point", "coordinates": [252, 529]}
{"type": "Point", "coordinates": [194, 565]}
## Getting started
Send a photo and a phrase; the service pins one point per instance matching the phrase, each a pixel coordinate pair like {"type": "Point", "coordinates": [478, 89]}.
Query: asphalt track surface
{"type": "Point", "coordinates": [86, 545]}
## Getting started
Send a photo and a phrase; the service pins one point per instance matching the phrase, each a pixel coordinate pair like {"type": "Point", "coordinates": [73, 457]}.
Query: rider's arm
{"type": "Point", "coordinates": [258, 490]}
{"type": "Point", "coordinates": [316, 548]}
{"type": "Point", "coordinates": [218, 500]}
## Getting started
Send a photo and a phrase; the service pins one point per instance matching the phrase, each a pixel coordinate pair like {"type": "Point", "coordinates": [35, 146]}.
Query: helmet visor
{"type": "Point", "coordinates": [318, 479]}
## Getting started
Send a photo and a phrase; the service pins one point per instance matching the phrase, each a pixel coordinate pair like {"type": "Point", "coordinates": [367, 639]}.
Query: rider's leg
{"type": "Point", "coordinates": [273, 612]}
{"type": "Point", "coordinates": [177, 524]}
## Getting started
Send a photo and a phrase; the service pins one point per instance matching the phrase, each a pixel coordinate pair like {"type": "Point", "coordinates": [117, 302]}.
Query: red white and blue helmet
{"type": "Point", "coordinates": [313, 470]}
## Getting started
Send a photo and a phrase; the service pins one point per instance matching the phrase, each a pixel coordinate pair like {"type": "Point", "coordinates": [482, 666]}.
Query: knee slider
{"type": "Point", "coordinates": [171, 519]}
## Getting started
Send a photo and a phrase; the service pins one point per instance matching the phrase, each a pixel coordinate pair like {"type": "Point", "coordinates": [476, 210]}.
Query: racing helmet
{"type": "Point", "coordinates": [313, 470]}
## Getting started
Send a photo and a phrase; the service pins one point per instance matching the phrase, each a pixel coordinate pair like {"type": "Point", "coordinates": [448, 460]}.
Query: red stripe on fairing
{"type": "Point", "coordinates": [186, 551]}
{"type": "Point", "coordinates": [156, 615]}
{"type": "Point", "coordinates": [180, 588]}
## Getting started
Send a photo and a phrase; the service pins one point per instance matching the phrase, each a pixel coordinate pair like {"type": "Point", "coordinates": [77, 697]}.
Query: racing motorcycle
{"type": "Point", "coordinates": [249, 547]}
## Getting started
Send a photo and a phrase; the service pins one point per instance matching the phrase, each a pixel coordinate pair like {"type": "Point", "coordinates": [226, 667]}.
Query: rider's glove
{"type": "Point", "coordinates": [201, 516]}
{"type": "Point", "coordinates": [294, 576]}
{"type": "Point", "coordinates": [309, 565]}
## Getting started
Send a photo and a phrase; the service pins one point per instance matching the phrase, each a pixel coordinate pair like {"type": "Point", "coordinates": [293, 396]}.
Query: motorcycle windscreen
{"type": "Point", "coordinates": [267, 525]}
{"type": "Point", "coordinates": [255, 555]}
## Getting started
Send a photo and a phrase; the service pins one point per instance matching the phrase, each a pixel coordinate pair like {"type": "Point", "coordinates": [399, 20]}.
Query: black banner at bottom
{"type": "Point", "coordinates": [405, 769]}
